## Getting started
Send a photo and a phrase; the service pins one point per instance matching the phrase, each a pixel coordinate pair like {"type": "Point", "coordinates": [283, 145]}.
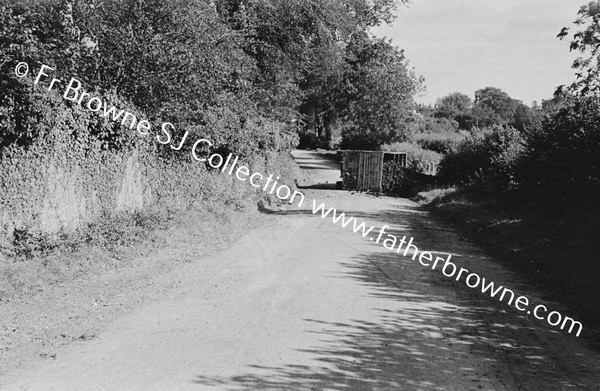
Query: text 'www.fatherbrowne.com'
{"type": "Point", "coordinates": [74, 92]}
{"type": "Point", "coordinates": [407, 248]}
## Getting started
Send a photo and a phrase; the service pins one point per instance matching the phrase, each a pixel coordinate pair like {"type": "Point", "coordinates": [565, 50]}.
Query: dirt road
{"type": "Point", "coordinates": [307, 305]}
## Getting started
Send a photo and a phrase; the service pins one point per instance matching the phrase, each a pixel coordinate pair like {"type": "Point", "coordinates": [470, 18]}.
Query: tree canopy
{"type": "Point", "coordinates": [214, 67]}
{"type": "Point", "coordinates": [586, 40]}
{"type": "Point", "coordinates": [453, 105]}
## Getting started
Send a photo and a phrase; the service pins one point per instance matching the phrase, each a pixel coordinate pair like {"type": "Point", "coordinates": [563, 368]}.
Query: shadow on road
{"type": "Point", "coordinates": [428, 344]}
{"type": "Point", "coordinates": [404, 348]}
{"type": "Point", "coordinates": [322, 186]}
{"type": "Point", "coordinates": [397, 352]}
{"type": "Point", "coordinates": [321, 169]}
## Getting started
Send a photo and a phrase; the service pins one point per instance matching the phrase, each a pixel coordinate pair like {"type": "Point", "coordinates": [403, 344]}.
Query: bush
{"type": "Point", "coordinates": [442, 143]}
{"type": "Point", "coordinates": [420, 160]}
{"type": "Point", "coordinates": [435, 125]}
{"type": "Point", "coordinates": [562, 164]}
{"type": "Point", "coordinates": [64, 167]}
{"type": "Point", "coordinates": [356, 139]}
{"type": "Point", "coordinates": [403, 181]}
{"type": "Point", "coordinates": [488, 158]}
{"type": "Point", "coordinates": [395, 179]}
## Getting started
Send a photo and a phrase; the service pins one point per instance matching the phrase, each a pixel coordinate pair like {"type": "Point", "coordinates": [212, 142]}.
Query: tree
{"type": "Point", "coordinates": [172, 61]}
{"type": "Point", "coordinates": [493, 106]}
{"type": "Point", "coordinates": [453, 105]}
{"type": "Point", "coordinates": [300, 49]}
{"type": "Point", "coordinates": [526, 120]}
{"type": "Point", "coordinates": [563, 161]}
{"type": "Point", "coordinates": [587, 41]}
{"type": "Point", "coordinates": [376, 103]}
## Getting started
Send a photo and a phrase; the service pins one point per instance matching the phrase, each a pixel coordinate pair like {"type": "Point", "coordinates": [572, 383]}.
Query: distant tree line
{"type": "Point", "coordinates": [548, 153]}
{"type": "Point", "coordinates": [491, 106]}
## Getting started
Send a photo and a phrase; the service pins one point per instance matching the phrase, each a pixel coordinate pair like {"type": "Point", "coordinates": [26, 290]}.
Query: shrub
{"type": "Point", "coordinates": [435, 125]}
{"type": "Point", "coordinates": [442, 143]}
{"type": "Point", "coordinates": [489, 158]}
{"type": "Point", "coordinates": [403, 181]}
{"type": "Point", "coordinates": [562, 163]}
{"type": "Point", "coordinates": [356, 139]}
{"type": "Point", "coordinates": [395, 179]}
{"type": "Point", "coordinates": [420, 160]}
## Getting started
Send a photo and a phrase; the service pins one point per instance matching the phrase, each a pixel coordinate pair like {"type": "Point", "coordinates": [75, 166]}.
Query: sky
{"type": "Point", "coordinates": [465, 45]}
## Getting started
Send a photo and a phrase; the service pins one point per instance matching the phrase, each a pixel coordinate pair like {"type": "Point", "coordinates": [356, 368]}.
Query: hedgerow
{"type": "Point", "coordinates": [419, 159]}
{"type": "Point", "coordinates": [488, 158]}
{"type": "Point", "coordinates": [64, 168]}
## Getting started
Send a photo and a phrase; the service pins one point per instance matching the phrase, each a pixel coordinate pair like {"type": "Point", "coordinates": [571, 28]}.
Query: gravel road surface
{"type": "Point", "coordinates": [306, 305]}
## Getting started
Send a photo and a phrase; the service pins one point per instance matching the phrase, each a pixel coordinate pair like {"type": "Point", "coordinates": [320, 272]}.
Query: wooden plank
{"type": "Point", "coordinates": [364, 169]}
{"type": "Point", "coordinates": [379, 174]}
{"type": "Point", "coordinates": [361, 171]}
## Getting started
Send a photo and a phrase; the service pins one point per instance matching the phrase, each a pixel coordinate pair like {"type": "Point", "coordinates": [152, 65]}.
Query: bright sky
{"type": "Point", "coordinates": [465, 45]}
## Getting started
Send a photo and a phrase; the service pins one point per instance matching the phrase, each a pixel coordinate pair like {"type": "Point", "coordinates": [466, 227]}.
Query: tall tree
{"type": "Point", "coordinates": [377, 101]}
{"type": "Point", "coordinates": [586, 40]}
{"type": "Point", "coordinates": [453, 105]}
{"type": "Point", "coordinates": [300, 48]}
{"type": "Point", "coordinates": [493, 106]}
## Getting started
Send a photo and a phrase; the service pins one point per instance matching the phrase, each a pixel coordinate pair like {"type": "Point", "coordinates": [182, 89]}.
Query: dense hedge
{"type": "Point", "coordinates": [488, 158]}
{"type": "Point", "coordinates": [557, 165]}
{"type": "Point", "coordinates": [562, 163]}
{"type": "Point", "coordinates": [419, 159]}
{"type": "Point", "coordinates": [234, 72]}
{"type": "Point", "coordinates": [45, 194]}
{"type": "Point", "coordinates": [396, 179]}
{"type": "Point", "coordinates": [442, 143]}
{"type": "Point", "coordinates": [64, 167]}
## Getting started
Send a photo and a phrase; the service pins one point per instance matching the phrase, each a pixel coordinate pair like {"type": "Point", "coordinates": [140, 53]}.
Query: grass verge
{"type": "Point", "coordinates": [35, 263]}
{"type": "Point", "coordinates": [556, 250]}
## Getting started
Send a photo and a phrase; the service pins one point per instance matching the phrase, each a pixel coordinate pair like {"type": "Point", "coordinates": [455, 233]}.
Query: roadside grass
{"type": "Point", "coordinates": [435, 195]}
{"type": "Point", "coordinates": [556, 250]}
{"type": "Point", "coordinates": [209, 213]}
{"type": "Point", "coordinates": [37, 262]}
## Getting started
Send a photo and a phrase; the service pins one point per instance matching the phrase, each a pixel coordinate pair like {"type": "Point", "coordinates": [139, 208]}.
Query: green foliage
{"type": "Point", "coordinates": [378, 94]}
{"type": "Point", "coordinates": [172, 58]}
{"type": "Point", "coordinates": [64, 167]}
{"type": "Point", "coordinates": [563, 161]}
{"type": "Point", "coordinates": [527, 120]}
{"type": "Point", "coordinates": [453, 105]}
{"type": "Point", "coordinates": [237, 72]}
{"type": "Point", "coordinates": [38, 32]}
{"type": "Point", "coordinates": [493, 106]}
{"type": "Point", "coordinates": [298, 47]}
{"type": "Point", "coordinates": [537, 185]}
{"type": "Point", "coordinates": [286, 40]}
{"type": "Point", "coordinates": [35, 115]}
{"type": "Point", "coordinates": [440, 142]}
{"type": "Point", "coordinates": [487, 159]}
{"type": "Point", "coordinates": [174, 62]}
{"type": "Point", "coordinates": [404, 181]}
{"type": "Point", "coordinates": [432, 125]}
{"type": "Point", "coordinates": [395, 179]}
{"type": "Point", "coordinates": [216, 69]}
{"type": "Point", "coordinates": [585, 41]}
{"type": "Point", "coordinates": [420, 160]}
